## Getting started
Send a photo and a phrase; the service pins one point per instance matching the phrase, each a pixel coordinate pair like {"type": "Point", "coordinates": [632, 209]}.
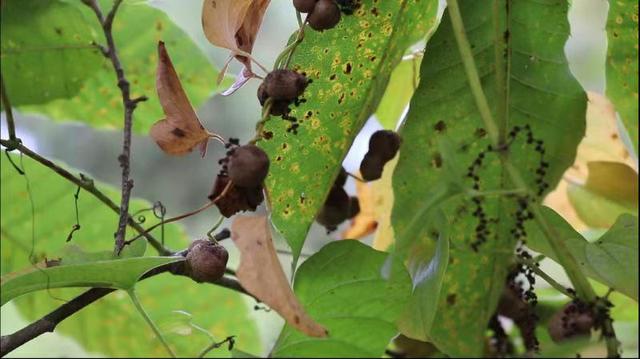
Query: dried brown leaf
{"type": "Point", "coordinates": [260, 273]}
{"type": "Point", "coordinates": [181, 130]}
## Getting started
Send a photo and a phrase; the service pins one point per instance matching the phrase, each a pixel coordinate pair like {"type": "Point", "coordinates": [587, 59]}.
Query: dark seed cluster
{"type": "Point", "coordinates": [383, 146]}
{"type": "Point", "coordinates": [576, 318]}
{"type": "Point", "coordinates": [523, 212]}
{"type": "Point", "coordinates": [206, 261]}
{"type": "Point", "coordinates": [284, 88]}
{"type": "Point", "coordinates": [338, 207]}
{"type": "Point", "coordinates": [245, 167]}
{"type": "Point", "coordinates": [324, 14]}
{"type": "Point", "coordinates": [527, 319]}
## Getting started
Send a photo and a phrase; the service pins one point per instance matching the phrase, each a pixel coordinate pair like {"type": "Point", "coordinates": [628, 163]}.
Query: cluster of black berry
{"type": "Point", "coordinates": [338, 207]}
{"type": "Point", "coordinates": [245, 167]}
{"type": "Point", "coordinates": [383, 146]}
{"type": "Point", "coordinates": [324, 14]}
{"type": "Point", "coordinates": [283, 87]}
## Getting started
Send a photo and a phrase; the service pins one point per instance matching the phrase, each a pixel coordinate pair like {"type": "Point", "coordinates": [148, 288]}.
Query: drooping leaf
{"type": "Point", "coordinates": [612, 259]}
{"type": "Point", "coordinates": [137, 28]}
{"type": "Point", "coordinates": [46, 51]}
{"type": "Point", "coordinates": [521, 50]}
{"type": "Point", "coordinates": [357, 292]}
{"type": "Point", "coordinates": [611, 189]}
{"type": "Point", "coordinates": [622, 63]}
{"type": "Point", "coordinates": [261, 274]}
{"type": "Point", "coordinates": [350, 66]}
{"type": "Point", "coordinates": [117, 273]}
{"type": "Point", "coordinates": [110, 326]}
{"type": "Point", "coordinates": [234, 25]}
{"type": "Point", "coordinates": [181, 130]}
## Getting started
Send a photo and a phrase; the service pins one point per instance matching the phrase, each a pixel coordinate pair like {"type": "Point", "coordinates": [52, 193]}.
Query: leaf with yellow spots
{"type": "Point", "coordinates": [359, 55]}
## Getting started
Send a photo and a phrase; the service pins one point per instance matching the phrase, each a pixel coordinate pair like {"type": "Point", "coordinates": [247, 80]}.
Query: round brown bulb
{"type": "Point", "coordinates": [304, 6]}
{"type": "Point", "coordinates": [284, 85]}
{"type": "Point", "coordinates": [325, 15]}
{"type": "Point", "coordinates": [572, 320]}
{"type": "Point", "coordinates": [384, 144]}
{"type": "Point", "coordinates": [248, 166]}
{"type": "Point", "coordinates": [206, 261]}
{"type": "Point", "coordinates": [371, 167]}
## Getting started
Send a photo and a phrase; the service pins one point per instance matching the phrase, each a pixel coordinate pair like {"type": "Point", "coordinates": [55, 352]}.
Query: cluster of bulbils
{"type": "Point", "coordinates": [283, 88]}
{"type": "Point", "coordinates": [324, 14]}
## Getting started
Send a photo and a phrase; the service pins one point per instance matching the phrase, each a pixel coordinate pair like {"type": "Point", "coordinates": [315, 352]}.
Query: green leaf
{"type": "Point", "coordinates": [611, 189]}
{"type": "Point", "coordinates": [46, 51]}
{"type": "Point", "coordinates": [611, 260]}
{"type": "Point", "coordinates": [118, 273]}
{"type": "Point", "coordinates": [137, 29]}
{"type": "Point", "coordinates": [402, 83]}
{"type": "Point", "coordinates": [622, 63]}
{"type": "Point", "coordinates": [526, 83]}
{"type": "Point", "coordinates": [110, 326]}
{"type": "Point", "coordinates": [354, 291]}
{"type": "Point", "coordinates": [428, 275]}
{"type": "Point", "coordinates": [350, 66]}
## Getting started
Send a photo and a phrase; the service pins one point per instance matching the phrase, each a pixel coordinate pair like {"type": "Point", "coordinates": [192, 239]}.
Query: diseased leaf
{"type": "Point", "coordinates": [357, 292]}
{"type": "Point", "coordinates": [611, 260]}
{"type": "Point", "coordinates": [181, 130]}
{"type": "Point", "coordinates": [234, 25]}
{"type": "Point", "coordinates": [117, 273]}
{"type": "Point", "coordinates": [261, 274]}
{"type": "Point", "coordinates": [622, 63]}
{"type": "Point", "coordinates": [519, 57]}
{"type": "Point", "coordinates": [46, 51]}
{"type": "Point", "coordinates": [350, 66]}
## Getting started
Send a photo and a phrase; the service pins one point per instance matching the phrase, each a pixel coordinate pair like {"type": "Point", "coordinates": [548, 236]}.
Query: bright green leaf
{"type": "Point", "coordinates": [526, 83]}
{"type": "Point", "coordinates": [354, 291]}
{"type": "Point", "coordinates": [350, 66]}
{"type": "Point", "coordinates": [402, 83]}
{"type": "Point", "coordinates": [622, 63]}
{"type": "Point", "coordinates": [612, 259]}
{"type": "Point", "coordinates": [118, 273]}
{"type": "Point", "coordinates": [137, 29]}
{"type": "Point", "coordinates": [46, 51]}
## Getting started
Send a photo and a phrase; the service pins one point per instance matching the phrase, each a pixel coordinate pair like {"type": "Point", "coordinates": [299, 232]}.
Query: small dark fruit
{"type": "Point", "coordinates": [354, 206]}
{"type": "Point", "coordinates": [206, 261]}
{"type": "Point", "coordinates": [248, 166]}
{"type": "Point", "coordinates": [283, 85]}
{"type": "Point", "coordinates": [371, 167]}
{"type": "Point", "coordinates": [335, 209]}
{"type": "Point", "coordinates": [574, 319]}
{"type": "Point", "coordinates": [384, 144]}
{"type": "Point", "coordinates": [304, 6]}
{"type": "Point", "coordinates": [324, 16]}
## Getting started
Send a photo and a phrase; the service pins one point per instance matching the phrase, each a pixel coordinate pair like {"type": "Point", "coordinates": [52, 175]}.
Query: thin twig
{"type": "Point", "coordinates": [11, 127]}
{"type": "Point", "coordinates": [230, 340]}
{"type": "Point", "coordinates": [88, 186]}
{"type": "Point", "coordinates": [49, 322]}
{"type": "Point", "coordinates": [129, 106]}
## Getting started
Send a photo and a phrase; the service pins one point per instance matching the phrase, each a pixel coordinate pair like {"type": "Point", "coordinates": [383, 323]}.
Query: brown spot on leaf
{"type": "Point", "coordinates": [440, 126]}
{"type": "Point", "coordinates": [451, 299]}
{"type": "Point", "coordinates": [178, 132]}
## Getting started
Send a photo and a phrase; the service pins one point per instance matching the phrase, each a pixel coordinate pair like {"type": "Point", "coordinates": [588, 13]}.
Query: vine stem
{"type": "Point", "coordinates": [11, 127]}
{"type": "Point", "coordinates": [129, 104]}
{"type": "Point", "coordinates": [140, 308]}
{"type": "Point", "coordinates": [532, 264]}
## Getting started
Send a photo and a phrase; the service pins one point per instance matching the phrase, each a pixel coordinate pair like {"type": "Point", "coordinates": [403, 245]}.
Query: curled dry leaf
{"type": "Point", "coordinates": [234, 25]}
{"type": "Point", "coordinates": [181, 130]}
{"type": "Point", "coordinates": [260, 273]}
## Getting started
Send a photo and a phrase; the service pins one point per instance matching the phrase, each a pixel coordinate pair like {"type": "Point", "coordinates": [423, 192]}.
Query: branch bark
{"type": "Point", "coordinates": [129, 106]}
{"type": "Point", "coordinates": [49, 322]}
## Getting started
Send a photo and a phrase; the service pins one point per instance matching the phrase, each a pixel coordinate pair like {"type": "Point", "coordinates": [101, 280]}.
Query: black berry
{"type": "Point", "coordinates": [248, 166]}
{"type": "Point", "coordinates": [384, 144]}
{"type": "Point", "coordinates": [304, 6]}
{"type": "Point", "coordinates": [371, 167]}
{"type": "Point", "coordinates": [284, 85]}
{"type": "Point", "coordinates": [325, 15]}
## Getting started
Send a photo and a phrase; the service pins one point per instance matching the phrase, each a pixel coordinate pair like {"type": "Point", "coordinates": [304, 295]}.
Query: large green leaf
{"type": "Point", "coordinates": [350, 66]}
{"type": "Point", "coordinates": [519, 55]}
{"type": "Point", "coordinates": [402, 83]}
{"type": "Point", "coordinates": [355, 292]}
{"type": "Point", "coordinates": [118, 273]}
{"type": "Point", "coordinates": [46, 50]}
{"type": "Point", "coordinates": [622, 63]}
{"type": "Point", "coordinates": [612, 259]}
{"type": "Point", "coordinates": [110, 326]}
{"type": "Point", "coordinates": [137, 29]}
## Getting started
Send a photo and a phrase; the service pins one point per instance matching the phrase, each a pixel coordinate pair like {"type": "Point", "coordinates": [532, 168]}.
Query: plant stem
{"type": "Point", "coordinates": [136, 302]}
{"type": "Point", "coordinates": [501, 50]}
{"type": "Point", "coordinates": [11, 127]}
{"type": "Point", "coordinates": [129, 106]}
{"type": "Point", "coordinates": [557, 286]}
{"type": "Point", "coordinates": [89, 186]}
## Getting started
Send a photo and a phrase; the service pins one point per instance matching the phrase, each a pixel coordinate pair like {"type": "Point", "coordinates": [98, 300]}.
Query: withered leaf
{"type": "Point", "coordinates": [234, 25]}
{"type": "Point", "coordinates": [181, 130]}
{"type": "Point", "coordinates": [260, 273]}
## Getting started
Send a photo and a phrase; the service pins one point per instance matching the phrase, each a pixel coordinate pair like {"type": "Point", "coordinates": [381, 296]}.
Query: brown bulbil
{"type": "Point", "coordinates": [371, 167]}
{"type": "Point", "coordinates": [574, 319]}
{"type": "Point", "coordinates": [384, 144]}
{"type": "Point", "coordinates": [236, 199]}
{"type": "Point", "coordinates": [325, 15]}
{"type": "Point", "coordinates": [284, 85]}
{"type": "Point", "coordinates": [335, 209]}
{"type": "Point", "coordinates": [304, 6]}
{"type": "Point", "coordinates": [206, 261]}
{"type": "Point", "coordinates": [248, 166]}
